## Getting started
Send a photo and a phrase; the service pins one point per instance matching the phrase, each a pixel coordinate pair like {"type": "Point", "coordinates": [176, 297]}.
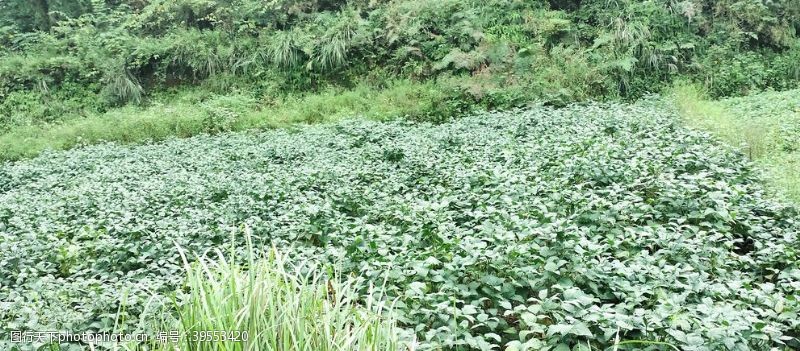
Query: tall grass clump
{"type": "Point", "coordinates": [279, 306]}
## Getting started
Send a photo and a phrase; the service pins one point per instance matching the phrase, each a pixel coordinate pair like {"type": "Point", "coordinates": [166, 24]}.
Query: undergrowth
{"type": "Point", "coordinates": [196, 112]}
{"type": "Point", "coordinates": [765, 127]}
{"type": "Point", "coordinates": [69, 65]}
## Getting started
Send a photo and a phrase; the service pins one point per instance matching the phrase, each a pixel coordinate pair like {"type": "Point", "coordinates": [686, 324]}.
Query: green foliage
{"type": "Point", "coordinates": [765, 127]}
{"type": "Point", "coordinates": [743, 73]}
{"type": "Point", "coordinates": [195, 112]}
{"type": "Point", "coordinates": [278, 308]}
{"type": "Point", "coordinates": [581, 228]}
{"type": "Point", "coordinates": [120, 86]}
{"type": "Point", "coordinates": [561, 51]}
{"type": "Point", "coordinates": [532, 229]}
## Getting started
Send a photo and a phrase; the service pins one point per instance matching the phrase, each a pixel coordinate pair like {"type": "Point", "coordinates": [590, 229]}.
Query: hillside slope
{"type": "Point", "coordinates": [84, 71]}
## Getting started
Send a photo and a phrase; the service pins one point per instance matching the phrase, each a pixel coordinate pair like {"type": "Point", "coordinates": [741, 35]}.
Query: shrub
{"type": "Point", "coordinates": [563, 51]}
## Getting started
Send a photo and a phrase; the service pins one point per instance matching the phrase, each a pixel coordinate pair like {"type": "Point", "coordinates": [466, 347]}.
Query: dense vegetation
{"type": "Point", "coordinates": [557, 229]}
{"type": "Point", "coordinates": [765, 127]}
{"type": "Point", "coordinates": [278, 309]}
{"type": "Point", "coordinates": [70, 62]}
{"type": "Point", "coordinates": [583, 216]}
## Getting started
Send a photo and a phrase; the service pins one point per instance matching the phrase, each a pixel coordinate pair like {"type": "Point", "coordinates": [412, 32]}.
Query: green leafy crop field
{"type": "Point", "coordinates": [567, 228]}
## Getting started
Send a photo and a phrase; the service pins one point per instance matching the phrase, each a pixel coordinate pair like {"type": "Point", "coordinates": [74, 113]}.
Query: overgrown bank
{"type": "Point", "coordinates": [71, 61]}
{"type": "Point", "coordinates": [765, 127]}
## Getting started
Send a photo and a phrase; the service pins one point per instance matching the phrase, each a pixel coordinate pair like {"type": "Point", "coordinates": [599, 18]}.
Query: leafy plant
{"type": "Point", "coordinates": [765, 127]}
{"type": "Point", "coordinates": [580, 227]}
{"type": "Point", "coordinates": [274, 305]}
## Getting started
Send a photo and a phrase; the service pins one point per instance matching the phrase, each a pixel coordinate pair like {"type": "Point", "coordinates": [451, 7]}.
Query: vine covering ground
{"type": "Point", "coordinates": [529, 229]}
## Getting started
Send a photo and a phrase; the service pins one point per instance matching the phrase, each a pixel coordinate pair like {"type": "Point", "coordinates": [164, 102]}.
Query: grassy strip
{"type": "Point", "coordinates": [195, 113]}
{"type": "Point", "coordinates": [765, 127]}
